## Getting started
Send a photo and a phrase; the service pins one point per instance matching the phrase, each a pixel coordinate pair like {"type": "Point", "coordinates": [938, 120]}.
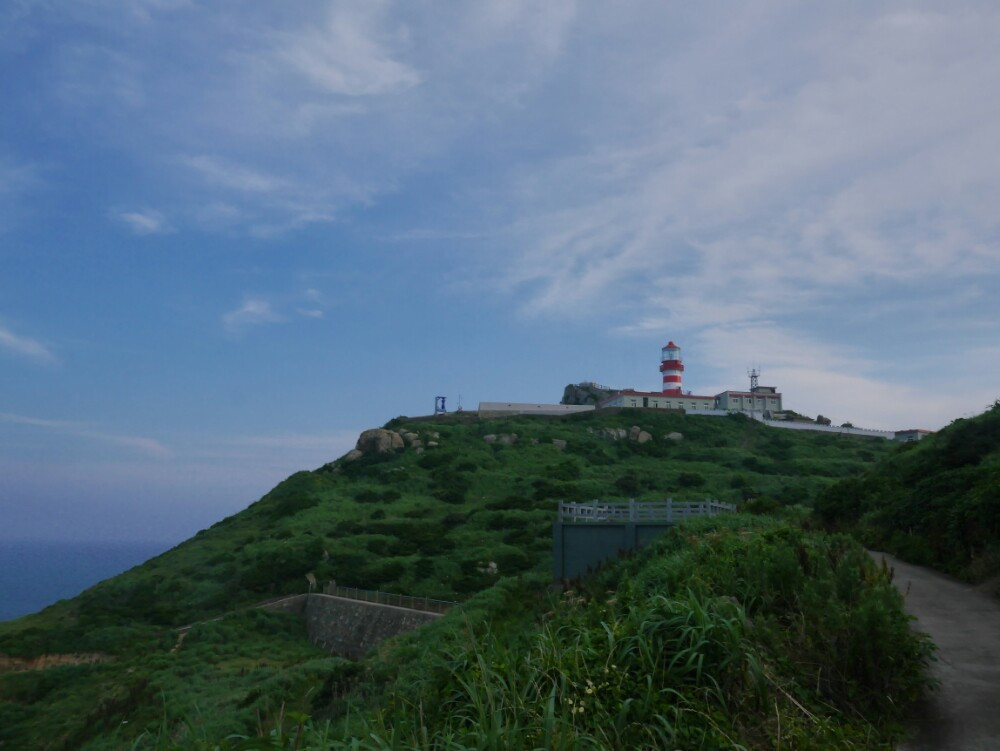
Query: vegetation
{"type": "Point", "coordinates": [935, 502]}
{"type": "Point", "coordinates": [428, 524]}
{"type": "Point", "coordinates": [731, 633]}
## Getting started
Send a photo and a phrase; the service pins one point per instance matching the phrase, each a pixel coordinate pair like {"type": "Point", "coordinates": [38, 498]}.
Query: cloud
{"type": "Point", "coordinates": [25, 347]}
{"type": "Point", "coordinates": [141, 444]}
{"type": "Point", "coordinates": [144, 221]}
{"type": "Point", "coordinates": [255, 311]}
{"type": "Point", "coordinates": [16, 177]}
{"type": "Point", "coordinates": [235, 176]}
{"type": "Point", "coordinates": [291, 117]}
{"type": "Point", "coordinates": [39, 422]}
{"type": "Point", "coordinates": [349, 54]}
{"type": "Point", "coordinates": [842, 175]}
{"type": "Point", "coordinates": [842, 381]}
{"type": "Point", "coordinates": [341, 440]}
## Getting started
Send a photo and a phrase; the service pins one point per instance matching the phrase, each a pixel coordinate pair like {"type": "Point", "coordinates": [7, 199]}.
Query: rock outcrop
{"type": "Point", "coordinates": [635, 433]}
{"type": "Point", "coordinates": [379, 441]}
{"type": "Point", "coordinates": [584, 393]}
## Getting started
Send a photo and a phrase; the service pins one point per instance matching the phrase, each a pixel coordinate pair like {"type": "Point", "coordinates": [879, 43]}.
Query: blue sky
{"type": "Point", "coordinates": [235, 234]}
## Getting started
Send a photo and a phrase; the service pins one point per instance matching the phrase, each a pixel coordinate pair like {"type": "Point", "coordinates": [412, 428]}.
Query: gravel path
{"type": "Point", "coordinates": [964, 713]}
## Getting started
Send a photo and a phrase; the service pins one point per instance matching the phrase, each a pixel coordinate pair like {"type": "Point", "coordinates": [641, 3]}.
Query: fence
{"type": "Point", "coordinates": [425, 604]}
{"type": "Point", "coordinates": [668, 511]}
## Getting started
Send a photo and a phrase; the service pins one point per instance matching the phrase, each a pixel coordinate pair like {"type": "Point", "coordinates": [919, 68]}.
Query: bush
{"type": "Point", "coordinates": [690, 480]}
{"type": "Point", "coordinates": [628, 484]}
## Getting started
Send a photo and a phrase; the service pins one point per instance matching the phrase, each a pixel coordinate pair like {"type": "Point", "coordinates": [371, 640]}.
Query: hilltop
{"type": "Point", "coordinates": [425, 515]}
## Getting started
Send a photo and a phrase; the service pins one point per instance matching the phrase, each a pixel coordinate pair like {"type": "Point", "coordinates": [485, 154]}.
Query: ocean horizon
{"type": "Point", "coordinates": [37, 573]}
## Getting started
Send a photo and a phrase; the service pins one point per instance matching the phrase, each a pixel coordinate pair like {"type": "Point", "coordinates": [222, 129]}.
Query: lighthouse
{"type": "Point", "coordinates": [671, 366]}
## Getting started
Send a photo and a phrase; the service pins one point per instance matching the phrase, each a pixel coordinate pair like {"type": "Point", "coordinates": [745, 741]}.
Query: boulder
{"type": "Point", "coordinates": [379, 441]}
{"type": "Point", "coordinates": [584, 393]}
{"type": "Point", "coordinates": [409, 437]}
{"type": "Point", "coordinates": [633, 433]}
{"type": "Point", "coordinates": [508, 439]}
{"type": "Point", "coordinates": [490, 438]}
{"type": "Point", "coordinates": [353, 455]}
{"type": "Point", "coordinates": [674, 436]}
{"type": "Point", "coordinates": [416, 443]}
{"type": "Point", "coordinates": [432, 444]}
{"type": "Point", "coordinates": [643, 437]}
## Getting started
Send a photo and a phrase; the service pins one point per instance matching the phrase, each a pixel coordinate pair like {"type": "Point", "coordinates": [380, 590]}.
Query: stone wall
{"type": "Point", "coordinates": [350, 628]}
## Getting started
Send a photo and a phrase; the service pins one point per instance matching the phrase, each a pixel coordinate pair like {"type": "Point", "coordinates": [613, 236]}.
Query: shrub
{"type": "Point", "coordinates": [690, 480]}
{"type": "Point", "coordinates": [628, 484]}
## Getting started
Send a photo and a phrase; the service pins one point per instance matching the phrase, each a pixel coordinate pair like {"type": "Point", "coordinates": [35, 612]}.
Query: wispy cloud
{"type": "Point", "coordinates": [229, 174]}
{"type": "Point", "coordinates": [298, 441]}
{"type": "Point", "coordinates": [349, 54]}
{"type": "Point", "coordinates": [839, 177]}
{"type": "Point", "coordinates": [141, 444]}
{"type": "Point", "coordinates": [254, 311]}
{"type": "Point", "coordinates": [144, 221]}
{"type": "Point", "coordinates": [23, 346]}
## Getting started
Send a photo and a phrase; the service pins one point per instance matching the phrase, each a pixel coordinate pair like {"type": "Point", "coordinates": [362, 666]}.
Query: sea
{"type": "Point", "coordinates": [34, 574]}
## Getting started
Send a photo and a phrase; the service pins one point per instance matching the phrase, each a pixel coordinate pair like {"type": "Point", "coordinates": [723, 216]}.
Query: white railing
{"type": "Point", "coordinates": [668, 511]}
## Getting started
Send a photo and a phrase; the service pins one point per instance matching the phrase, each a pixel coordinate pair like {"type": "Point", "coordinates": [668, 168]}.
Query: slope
{"type": "Point", "coordinates": [934, 503]}
{"type": "Point", "coordinates": [423, 523]}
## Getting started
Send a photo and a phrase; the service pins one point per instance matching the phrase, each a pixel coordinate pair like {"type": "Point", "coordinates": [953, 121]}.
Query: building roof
{"type": "Point", "coordinates": [751, 393]}
{"type": "Point", "coordinates": [671, 344]}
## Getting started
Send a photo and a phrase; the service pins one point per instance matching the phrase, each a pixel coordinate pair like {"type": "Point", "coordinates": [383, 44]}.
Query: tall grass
{"type": "Point", "coordinates": [720, 637]}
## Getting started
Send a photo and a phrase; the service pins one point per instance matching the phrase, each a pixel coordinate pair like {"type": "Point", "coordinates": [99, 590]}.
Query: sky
{"type": "Point", "coordinates": [233, 235]}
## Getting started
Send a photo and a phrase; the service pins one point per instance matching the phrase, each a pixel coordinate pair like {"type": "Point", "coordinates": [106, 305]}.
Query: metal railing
{"type": "Point", "coordinates": [655, 511]}
{"type": "Point", "coordinates": [425, 604]}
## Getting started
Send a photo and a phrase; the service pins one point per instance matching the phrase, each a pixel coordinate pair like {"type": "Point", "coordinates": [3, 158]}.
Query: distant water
{"type": "Point", "coordinates": [36, 574]}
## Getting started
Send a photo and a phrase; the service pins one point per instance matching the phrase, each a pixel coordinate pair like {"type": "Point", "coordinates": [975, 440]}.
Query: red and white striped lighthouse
{"type": "Point", "coordinates": [671, 366]}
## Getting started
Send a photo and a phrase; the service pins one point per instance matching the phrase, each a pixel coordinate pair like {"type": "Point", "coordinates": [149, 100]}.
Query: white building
{"type": "Point", "coordinates": [764, 400]}
{"type": "Point", "coordinates": [760, 400]}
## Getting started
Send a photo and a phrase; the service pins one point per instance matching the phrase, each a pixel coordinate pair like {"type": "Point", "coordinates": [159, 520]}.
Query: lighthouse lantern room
{"type": "Point", "coordinates": [671, 366]}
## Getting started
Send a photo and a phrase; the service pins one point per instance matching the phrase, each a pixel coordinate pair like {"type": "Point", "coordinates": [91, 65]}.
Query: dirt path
{"type": "Point", "coordinates": [964, 713]}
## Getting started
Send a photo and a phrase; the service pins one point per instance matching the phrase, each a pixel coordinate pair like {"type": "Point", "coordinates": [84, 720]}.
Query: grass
{"type": "Point", "coordinates": [422, 524]}
{"type": "Point", "coordinates": [691, 644]}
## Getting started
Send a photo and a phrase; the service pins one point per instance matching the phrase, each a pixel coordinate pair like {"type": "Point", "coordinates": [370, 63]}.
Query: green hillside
{"type": "Point", "coordinates": [422, 518]}
{"type": "Point", "coordinates": [935, 502]}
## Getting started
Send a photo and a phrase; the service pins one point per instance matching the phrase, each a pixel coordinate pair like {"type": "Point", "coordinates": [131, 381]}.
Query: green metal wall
{"type": "Point", "coordinates": [576, 548]}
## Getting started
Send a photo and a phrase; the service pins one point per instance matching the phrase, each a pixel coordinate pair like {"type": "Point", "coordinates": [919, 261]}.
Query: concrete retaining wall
{"type": "Point", "coordinates": [350, 628]}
